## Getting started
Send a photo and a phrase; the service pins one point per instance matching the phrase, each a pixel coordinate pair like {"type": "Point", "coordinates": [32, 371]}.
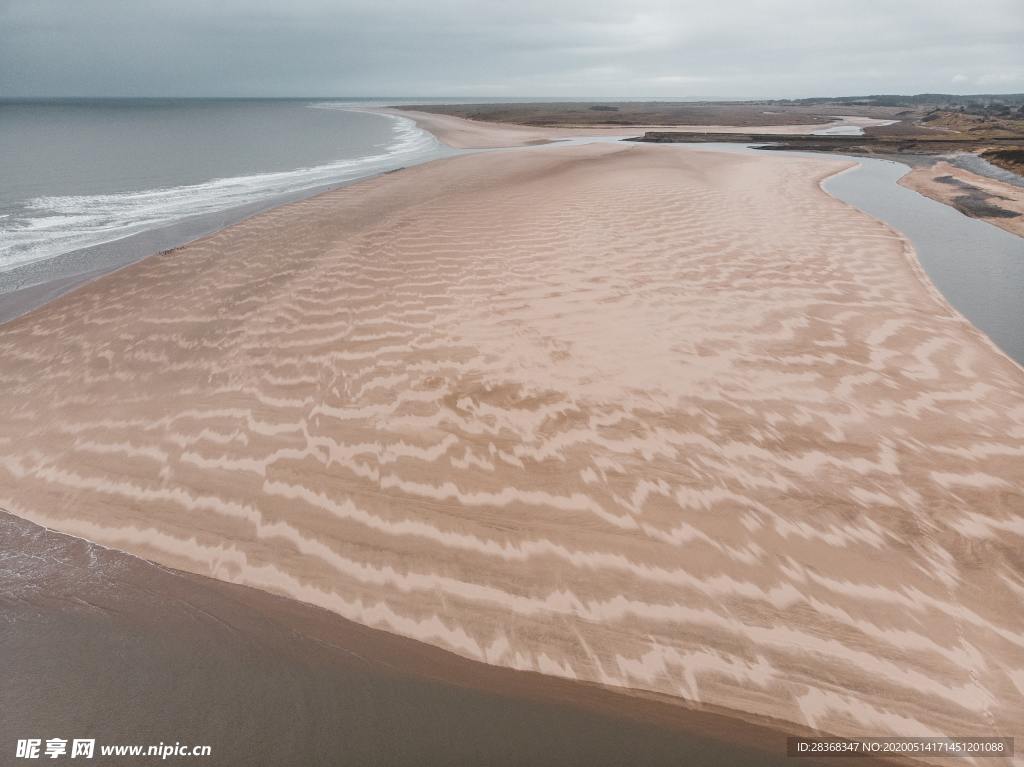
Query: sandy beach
{"type": "Point", "coordinates": [462, 133]}
{"type": "Point", "coordinates": [115, 648]}
{"type": "Point", "coordinates": [669, 421]}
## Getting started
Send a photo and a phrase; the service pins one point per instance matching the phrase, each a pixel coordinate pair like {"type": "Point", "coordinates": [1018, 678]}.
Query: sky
{"type": "Point", "coordinates": [510, 48]}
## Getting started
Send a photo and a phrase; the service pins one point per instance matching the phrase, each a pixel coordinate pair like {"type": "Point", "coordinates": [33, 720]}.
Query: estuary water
{"type": "Point", "coordinates": [978, 267]}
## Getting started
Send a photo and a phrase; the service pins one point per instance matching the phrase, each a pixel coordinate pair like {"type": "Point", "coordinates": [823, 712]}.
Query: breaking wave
{"type": "Point", "coordinates": [52, 225]}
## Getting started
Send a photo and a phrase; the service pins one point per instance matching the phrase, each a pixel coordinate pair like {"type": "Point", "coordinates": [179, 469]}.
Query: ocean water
{"type": "Point", "coordinates": [81, 173]}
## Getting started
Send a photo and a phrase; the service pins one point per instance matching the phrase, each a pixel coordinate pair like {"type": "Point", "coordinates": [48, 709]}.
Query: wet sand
{"type": "Point", "coordinates": [103, 645]}
{"type": "Point", "coordinates": [988, 199]}
{"type": "Point", "coordinates": [667, 421]}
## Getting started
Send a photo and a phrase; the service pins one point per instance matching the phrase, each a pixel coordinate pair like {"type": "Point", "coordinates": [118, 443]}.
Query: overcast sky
{"type": "Point", "coordinates": [466, 48]}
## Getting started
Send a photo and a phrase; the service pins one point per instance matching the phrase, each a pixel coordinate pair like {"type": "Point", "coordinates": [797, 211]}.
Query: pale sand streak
{"type": "Point", "coordinates": [670, 420]}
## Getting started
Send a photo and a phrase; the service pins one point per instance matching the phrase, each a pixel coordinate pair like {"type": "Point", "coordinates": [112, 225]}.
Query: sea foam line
{"type": "Point", "coordinates": [54, 225]}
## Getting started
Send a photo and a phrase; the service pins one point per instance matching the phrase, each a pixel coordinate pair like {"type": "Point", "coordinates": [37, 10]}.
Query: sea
{"type": "Point", "coordinates": [78, 174]}
{"type": "Point", "coordinates": [87, 186]}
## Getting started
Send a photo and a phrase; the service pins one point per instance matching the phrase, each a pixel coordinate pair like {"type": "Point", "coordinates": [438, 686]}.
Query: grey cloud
{"type": "Point", "coordinates": [744, 48]}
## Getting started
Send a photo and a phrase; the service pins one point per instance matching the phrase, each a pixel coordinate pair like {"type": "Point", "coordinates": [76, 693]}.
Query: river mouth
{"type": "Point", "coordinates": [978, 268]}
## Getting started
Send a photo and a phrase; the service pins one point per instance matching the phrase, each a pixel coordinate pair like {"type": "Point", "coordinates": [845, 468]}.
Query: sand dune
{"type": "Point", "coordinates": [676, 421]}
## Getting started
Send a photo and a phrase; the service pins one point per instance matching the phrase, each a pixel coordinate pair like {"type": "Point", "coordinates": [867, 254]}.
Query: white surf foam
{"type": "Point", "coordinates": [53, 225]}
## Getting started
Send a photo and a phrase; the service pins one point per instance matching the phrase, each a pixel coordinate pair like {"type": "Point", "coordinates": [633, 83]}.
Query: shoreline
{"type": "Point", "coordinates": [913, 258]}
{"type": "Point", "coordinates": [985, 198]}
{"type": "Point", "coordinates": [94, 595]}
{"type": "Point", "coordinates": [982, 290]}
{"type": "Point", "coordinates": [30, 285]}
{"type": "Point", "coordinates": [459, 135]}
{"type": "Point", "coordinates": [62, 276]}
{"type": "Point", "coordinates": [312, 219]}
{"type": "Point", "coordinates": [997, 322]}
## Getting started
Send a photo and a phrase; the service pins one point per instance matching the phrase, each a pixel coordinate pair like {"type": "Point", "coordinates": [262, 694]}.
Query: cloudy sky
{"type": "Point", "coordinates": [467, 48]}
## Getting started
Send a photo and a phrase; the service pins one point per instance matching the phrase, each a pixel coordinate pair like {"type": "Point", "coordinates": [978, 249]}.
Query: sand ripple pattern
{"type": "Point", "coordinates": [667, 420]}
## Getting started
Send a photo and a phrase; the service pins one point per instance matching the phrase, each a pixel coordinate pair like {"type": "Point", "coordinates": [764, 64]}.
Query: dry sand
{"type": "Point", "coordinates": [990, 200]}
{"type": "Point", "coordinates": [666, 420]}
